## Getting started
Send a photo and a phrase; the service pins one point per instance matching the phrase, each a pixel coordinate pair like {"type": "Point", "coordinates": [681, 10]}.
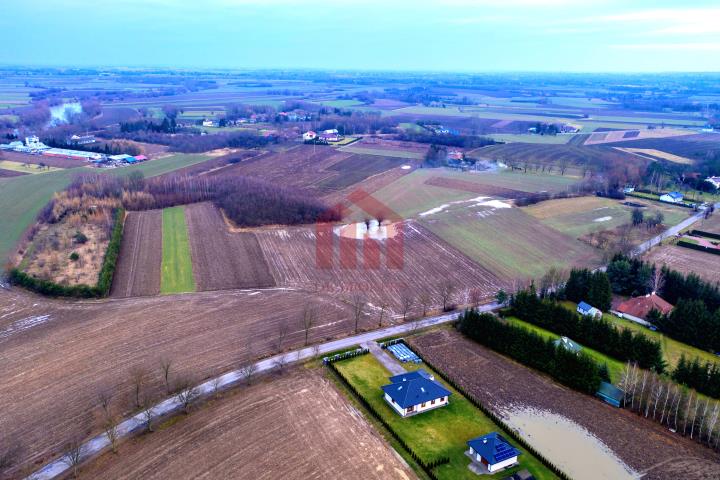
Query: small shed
{"type": "Point", "coordinates": [568, 345]}
{"type": "Point", "coordinates": [609, 393]}
{"type": "Point", "coordinates": [584, 308]}
{"type": "Point", "coordinates": [672, 197]}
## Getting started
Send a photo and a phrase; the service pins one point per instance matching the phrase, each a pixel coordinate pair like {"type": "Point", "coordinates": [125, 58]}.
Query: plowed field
{"type": "Point", "coordinates": [138, 269]}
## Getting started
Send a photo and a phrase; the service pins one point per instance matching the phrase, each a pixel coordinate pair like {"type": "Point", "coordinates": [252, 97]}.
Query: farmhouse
{"type": "Point", "coordinates": [73, 154]}
{"type": "Point", "coordinates": [567, 344]}
{"type": "Point", "coordinates": [309, 136]}
{"type": "Point", "coordinates": [415, 392]}
{"type": "Point", "coordinates": [81, 139]}
{"type": "Point", "coordinates": [587, 309]}
{"type": "Point", "coordinates": [208, 123]}
{"type": "Point", "coordinates": [329, 137]}
{"type": "Point", "coordinates": [638, 308]}
{"type": "Point", "coordinates": [610, 394]}
{"type": "Point", "coordinates": [672, 197]}
{"type": "Point", "coordinates": [570, 128]}
{"type": "Point", "coordinates": [491, 453]}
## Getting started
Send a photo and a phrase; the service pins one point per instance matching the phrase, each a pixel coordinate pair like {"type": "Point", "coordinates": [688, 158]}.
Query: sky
{"type": "Point", "coordinates": [425, 35]}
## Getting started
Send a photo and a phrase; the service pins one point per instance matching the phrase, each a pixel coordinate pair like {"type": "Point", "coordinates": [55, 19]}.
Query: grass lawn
{"type": "Point", "coordinates": [672, 349]}
{"type": "Point", "coordinates": [153, 168]}
{"type": "Point", "coordinates": [384, 152]}
{"type": "Point", "coordinates": [615, 367]}
{"type": "Point", "coordinates": [438, 433]}
{"type": "Point", "coordinates": [177, 275]}
{"type": "Point", "coordinates": [26, 167]}
{"type": "Point", "coordinates": [21, 198]}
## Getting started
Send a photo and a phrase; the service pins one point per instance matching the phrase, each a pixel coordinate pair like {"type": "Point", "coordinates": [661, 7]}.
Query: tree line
{"type": "Point", "coordinates": [598, 334]}
{"type": "Point", "coordinates": [577, 371]}
{"type": "Point", "coordinates": [448, 140]}
{"type": "Point", "coordinates": [591, 287]}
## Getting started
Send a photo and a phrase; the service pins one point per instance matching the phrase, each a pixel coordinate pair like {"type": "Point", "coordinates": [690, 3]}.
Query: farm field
{"type": "Point", "coordinates": [425, 263]}
{"type": "Point", "coordinates": [685, 260]}
{"type": "Point", "coordinates": [246, 431]}
{"type": "Point", "coordinates": [442, 432]}
{"type": "Point", "coordinates": [421, 191]}
{"type": "Point", "coordinates": [25, 168]}
{"type": "Point", "coordinates": [222, 259]}
{"type": "Point", "coordinates": [528, 138]}
{"type": "Point", "coordinates": [695, 146]}
{"type": "Point", "coordinates": [139, 264]}
{"type": "Point", "coordinates": [5, 174]}
{"type": "Point", "coordinates": [160, 166]}
{"type": "Point", "coordinates": [508, 241]}
{"type": "Point", "coordinates": [522, 154]}
{"type": "Point", "coordinates": [89, 346]}
{"type": "Point", "coordinates": [21, 198]}
{"type": "Point", "coordinates": [655, 155]}
{"type": "Point", "coordinates": [176, 270]}
{"type": "Point", "coordinates": [364, 150]}
{"type": "Point", "coordinates": [603, 439]}
{"type": "Point", "coordinates": [583, 215]}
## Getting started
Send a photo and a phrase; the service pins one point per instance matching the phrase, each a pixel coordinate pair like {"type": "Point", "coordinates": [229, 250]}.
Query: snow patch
{"type": "Point", "coordinates": [23, 324]}
{"type": "Point", "coordinates": [493, 204]}
{"type": "Point", "coordinates": [602, 219]}
{"type": "Point", "coordinates": [371, 230]}
{"type": "Point", "coordinates": [406, 167]}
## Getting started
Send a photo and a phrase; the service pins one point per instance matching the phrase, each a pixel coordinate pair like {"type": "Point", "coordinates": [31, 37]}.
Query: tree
{"type": "Point", "coordinates": [308, 319]}
{"type": "Point", "coordinates": [138, 377]}
{"type": "Point", "coordinates": [446, 291]}
{"type": "Point", "coordinates": [475, 297]}
{"type": "Point", "coordinates": [358, 304]}
{"type": "Point", "coordinates": [280, 363]}
{"type": "Point", "coordinates": [406, 303]}
{"type": "Point", "coordinates": [165, 364]}
{"type": "Point", "coordinates": [383, 308]}
{"type": "Point", "coordinates": [637, 217]}
{"type": "Point", "coordinates": [74, 454]}
{"type": "Point", "coordinates": [187, 393]}
{"type": "Point", "coordinates": [281, 333]}
{"type": "Point", "coordinates": [110, 428]}
{"type": "Point", "coordinates": [424, 300]}
{"type": "Point", "coordinates": [501, 297]}
{"type": "Point", "coordinates": [146, 409]}
{"type": "Point", "coordinates": [247, 371]}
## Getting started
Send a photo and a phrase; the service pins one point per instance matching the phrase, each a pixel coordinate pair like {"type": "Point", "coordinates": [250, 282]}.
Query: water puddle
{"type": "Point", "coordinates": [568, 445]}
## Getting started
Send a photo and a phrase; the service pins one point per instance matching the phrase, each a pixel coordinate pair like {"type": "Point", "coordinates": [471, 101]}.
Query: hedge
{"type": "Point", "coordinates": [52, 289]}
{"type": "Point", "coordinates": [702, 248]}
{"type": "Point", "coordinates": [703, 233]}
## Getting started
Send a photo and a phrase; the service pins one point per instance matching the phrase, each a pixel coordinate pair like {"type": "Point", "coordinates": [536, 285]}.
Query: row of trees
{"type": "Point", "coordinates": [246, 201]}
{"type": "Point", "coordinates": [577, 371]}
{"type": "Point", "coordinates": [656, 397]}
{"type": "Point", "coordinates": [701, 376]}
{"type": "Point", "coordinates": [598, 334]}
{"type": "Point", "coordinates": [192, 143]}
{"type": "Point", "coordinates": [591, 287]}
{"type": "Point", "coordinates": [460, 141]}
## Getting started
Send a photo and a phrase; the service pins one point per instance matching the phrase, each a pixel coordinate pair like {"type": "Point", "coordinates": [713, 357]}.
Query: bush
{"type": "Point", "coordinates": [80, 238]}
{"type": "Point", "coordinates": [74, 256]}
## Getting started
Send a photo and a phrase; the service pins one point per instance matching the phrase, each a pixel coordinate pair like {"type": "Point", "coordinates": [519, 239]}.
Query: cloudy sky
{"type": "Point", "coordinates": [449, 35]}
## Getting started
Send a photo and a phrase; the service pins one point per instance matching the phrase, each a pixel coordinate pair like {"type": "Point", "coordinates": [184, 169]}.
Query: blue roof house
{"type": "Point", "coordinates": [415, 392]}
{"type": "Point", "coordinates": [491, 453]}
{"type": "Point", "coordinates": [587, 309]}
{"type": "Point", "coordinates": [672, 197]}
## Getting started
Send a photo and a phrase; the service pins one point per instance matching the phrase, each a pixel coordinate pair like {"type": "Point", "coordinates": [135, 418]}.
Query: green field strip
{"type": "Point", "coordinates": [176, 271]}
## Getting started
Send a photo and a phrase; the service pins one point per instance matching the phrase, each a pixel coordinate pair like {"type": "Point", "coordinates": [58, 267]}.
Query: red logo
{"type": "Point", "coordinates": [361, 245]}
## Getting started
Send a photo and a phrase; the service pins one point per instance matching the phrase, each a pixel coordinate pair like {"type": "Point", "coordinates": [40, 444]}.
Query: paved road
{"type": "Point", "coordinates": [670, 232]}
{"type": "Point", "coordinates": [128, 427]}
{"type": "Point", "coordinates": [388, 361]}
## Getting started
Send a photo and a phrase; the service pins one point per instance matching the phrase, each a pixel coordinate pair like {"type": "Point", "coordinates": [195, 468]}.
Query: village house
{"type": "Point", "coordinates": [491, 453]}
{"type": "Point", "coordinates": [415, 392]}
{"type": "Point", "coordinates": [587, 309]}
{"type": "Point", "coordinates": [81, 140]}
{"type": "Point", "coordinates": [309, 136]}
{"type": "Point", "coordinates": [714, 181]}
{"type": "Point", "coordinates": [330, 137]}
{"type": "Point", "coordinates": [568, 345]}
{"type": "Point", "coordinates": [208, 123]}
{"type": "Point", "coordinates": [672, 197]}
{"type": "Point", "coordinates": [638, 308]}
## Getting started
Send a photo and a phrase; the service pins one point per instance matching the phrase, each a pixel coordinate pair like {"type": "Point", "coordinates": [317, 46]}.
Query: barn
{"type": "Point", "coordinates": [415, 392]}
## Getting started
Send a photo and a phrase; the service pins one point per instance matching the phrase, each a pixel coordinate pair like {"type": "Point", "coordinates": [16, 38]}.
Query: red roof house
{"type": "Point", "coordinates": [639, 307]}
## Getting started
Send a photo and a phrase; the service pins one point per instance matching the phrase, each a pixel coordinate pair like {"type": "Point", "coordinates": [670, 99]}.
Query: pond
{"type": "Point", "coordinates": [60, 114]}
{"type": "Point", "coordinates": [570, 446]}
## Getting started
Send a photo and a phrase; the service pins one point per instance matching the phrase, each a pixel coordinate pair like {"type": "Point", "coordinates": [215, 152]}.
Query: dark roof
{"type": "Point", "coordinates": [413, 388]}
{"type": "Point", "coordinates": [611, 391]}
{"type": "Point", "coordinates": [641, 306]}
{"type": "Point", "coordinates": [493, 447]}
{"type": "Point", "coordinates": [567, 344]}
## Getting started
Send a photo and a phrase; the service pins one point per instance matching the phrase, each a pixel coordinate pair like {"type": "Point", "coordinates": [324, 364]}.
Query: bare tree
{"type": "Point", "coordinates": [187, 393]}
{"type": "Point", "coordinates": [110, 428]}
{"type": "Point", "coordinates": [146, 409]}
{"type": "Point", "coordinates": [712, 421]}
{"type": "Point", "coordinates": [657, 281]}
{"type": "Point", "coordinates": [138, 377]}
{"type": "Point", "coordinates": [383, 308]}
{"type": "Point", "coordinates": [406, 303]}
{"type": "Point", "coordinates": [687, 411]}
{"type": "Point", "coordinates": [247, 370]}
{"type": "Point", "coordinates": [358, 304]}
{"type": "Point", "coordinates": [280, 364]}
{"type": "Point", "coordinates": [104, 400]}
{"type": "Point", "coordinates": [216, 387]}
{"type": "Point", "coordinates": [165, 365]}
{"type": "Point", "coordinates": [316, 350]}
{"type": "Point", "coordinates": [282, 332]}
{"type": "Point", "coordinates": [424, 300]}
{"type": "Point", "coordinates": [308, 319]}
{"type": "Point", "coordinates": [694, 416]}
{"type": "Point", "coordinates": [74, 454]}
{"type": "Point", "coordinates": [446, 291]}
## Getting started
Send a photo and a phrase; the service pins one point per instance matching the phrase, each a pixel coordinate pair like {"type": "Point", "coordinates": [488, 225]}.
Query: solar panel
{"type": "Point", "coordinates": [499, 457]}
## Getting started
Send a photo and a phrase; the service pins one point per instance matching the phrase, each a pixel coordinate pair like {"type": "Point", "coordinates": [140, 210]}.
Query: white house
{"type": "Point", "coordinates": [714, 181]}
{"type": "Point", "coordinates": [587, 309]}
{"type": "Point", "coordinates": [309, 136]}
{"type": "Point", "coordinates": [491, 453]}
{"type": "Point", "coordinates": [208, 123]}
{"type": "Point", "coordinates": [672, 197]}
{"type": "Point", "coordinates": [415, 392]}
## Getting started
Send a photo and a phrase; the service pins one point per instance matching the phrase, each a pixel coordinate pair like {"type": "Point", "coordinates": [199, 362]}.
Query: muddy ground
{"type": "Point", "coordinates": [499, 382]}
{"type": "Point", "coordinates": [296, 426]}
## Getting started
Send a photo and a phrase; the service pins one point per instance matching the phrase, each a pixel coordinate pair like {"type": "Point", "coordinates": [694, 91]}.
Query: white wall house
{"type": "Point", "coordinates": [672, 197]}
{"type": "Point", "coordinates": [415, 392]}
{"type": "Point", "coordinates": [492, 452]}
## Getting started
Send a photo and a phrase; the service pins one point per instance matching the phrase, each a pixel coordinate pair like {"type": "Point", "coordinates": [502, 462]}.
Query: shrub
{"type": "Point", "coordinates": [74, 256]}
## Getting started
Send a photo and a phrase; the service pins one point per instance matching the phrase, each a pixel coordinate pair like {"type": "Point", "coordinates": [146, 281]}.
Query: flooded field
{"type": "Point", "coordinates": [570, 446]}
